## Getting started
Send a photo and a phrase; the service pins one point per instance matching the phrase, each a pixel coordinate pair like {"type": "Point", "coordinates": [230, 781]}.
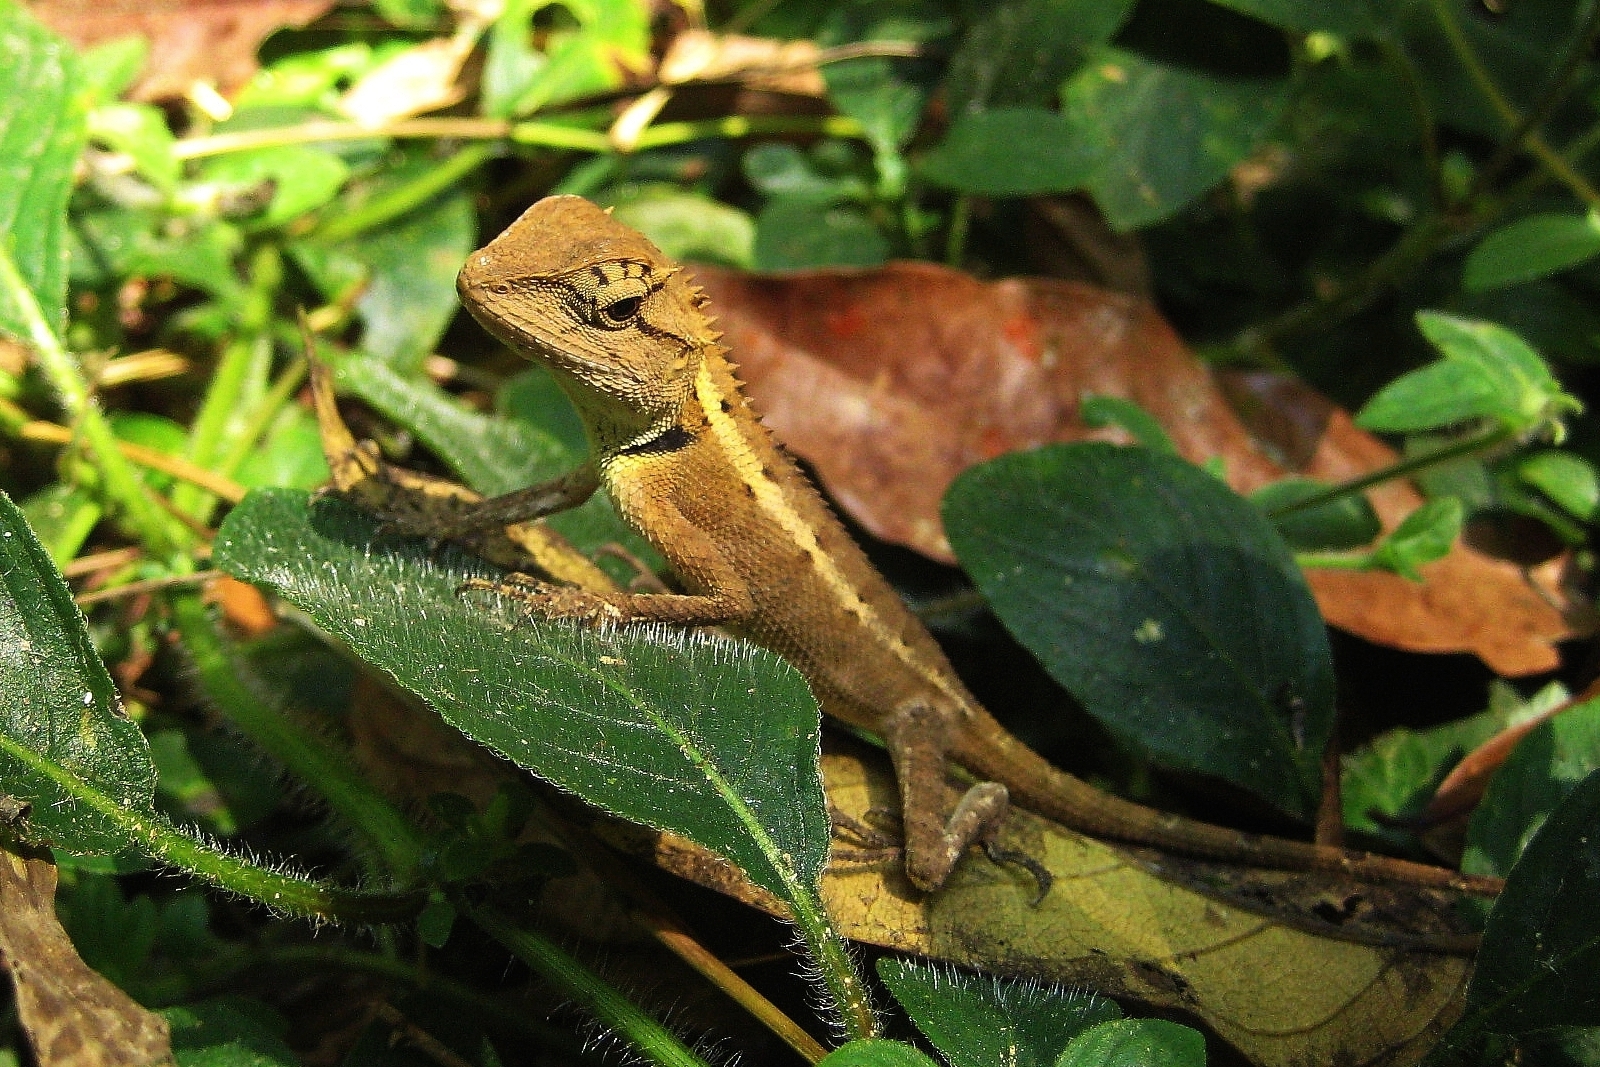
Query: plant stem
{"type": "Point", "coordinates": [1485, 84]}
{"type": "Point", "coordinates": [651, 1040]}
{"type": "Point", "coordinates": [1483, 442]}
{"type": "Point", "coordinates": [1427, 128]}
{"type": "Point", "coordinates": [404, 198]}
{"type": "Point", "coordinates": [150, 832]}
{"type": "Point", "coordinates": [734, 126]}
{"type": "Point", "coordinates": [265, 412]}
{"type": "Point", "coordinates": [244, 358]}
{"type": "Point", "coordinates": [955, 241]}
{"type": "Point", "coordinates": [317, 132]}
{"type": "Point", "coordinates": [307, 756]}
{"type": "Point", "coordinates": [160, 533]}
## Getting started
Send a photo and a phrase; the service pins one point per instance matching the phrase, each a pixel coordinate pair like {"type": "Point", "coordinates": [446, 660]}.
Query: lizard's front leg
{"type": "Point", "coordinates": [918, 736]}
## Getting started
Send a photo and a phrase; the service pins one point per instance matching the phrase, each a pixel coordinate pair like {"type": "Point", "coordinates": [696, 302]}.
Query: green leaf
{"type": "Point", "coordinates": [410, 266]}
{"type": "Point", "coordinates": [66, 747]}
{"type": "Point", "coordinates": [872, 91]}
{"type": "Point", "coordinates": [289, 455]}
{"type": "Point", "coordinates": [1541, 948]}
{"type": "Point", "coordinates": [141, 131]}
{"type": "Point", "coordinates": [712, 740]}
{"type": "Point", "coordinates": [1423, 536]}
{"type": "Point", "coordinates": [1393, 777]}
{"type": "Point", "coordinates": [610, 35]}
{"type": "Point", "coordinates": [1161, 600]}
{"type": "Point", "coordinates": [1017, 151]}
{"type": "Point", "coordinates": [1542, 771]}
{"type": "Point", "coordinates": [976, 1021]}
{"type": "Point", "coordinates": [1098, 412]}
{"type": "Point", "coordinates": [43, 124]}
{"type": "Point", "coordinates": [1487, 372]}
{"type": "Point", "coordinates": [1571, 481]}
{"type": "Point", "coordinates": [1343, 523]}
{"type": "Point", "coordinates": [1019, 53]}
{"type": "Point", "coordinates": [873, 1052]}
{"type": "Point", "coordinates": [111, 67]}
{"type": "Point", "coordinates": [411, 14]}
{"type": "Point", "coordinates": [492, 455]}
{"type": "Point", "coordinates": [782, 170]}
{"type": "Point", "coordinates": [799, 234]}
{"type": "Point", "coordinates": [1345, 17]}
{"type": "Point", "coordinates": [228, 1032]}
{"type": "Point", "coordinates": [1170, 133]}
{"type": "Point", "coordinates": [63, 516]}
{"type": "Point", "coordinates": [1136, 1043]}
{"type": "Point", "coordinates": [1531, 248]}
{"type": "Point", "coordinates": [687, 226]}
{"type": "Point", "coordinates": [301, 178]}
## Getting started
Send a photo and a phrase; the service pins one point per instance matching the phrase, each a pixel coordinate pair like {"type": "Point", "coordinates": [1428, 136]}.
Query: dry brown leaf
{"type": "Point", "coordinates": [73, 1016]}
{"type": "Point", "coordinates": [212, 41]}
{"type": "Point", "coordinates": [759, 62]}
{"type": "Point", "coordinates": [1286, 990]}
{"type": "Point", "coordinates": [889, 382]}
{"type": "Point", "coordinates": [420, 79]}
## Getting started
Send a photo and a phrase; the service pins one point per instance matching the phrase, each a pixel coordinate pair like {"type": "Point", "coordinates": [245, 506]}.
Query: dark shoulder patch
{"type": "Point", "coordinates": [668, 441]}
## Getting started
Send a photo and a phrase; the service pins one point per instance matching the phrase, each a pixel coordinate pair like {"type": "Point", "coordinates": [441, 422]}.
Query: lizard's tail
{"type": "Point", "coordinates": [1036, 785]}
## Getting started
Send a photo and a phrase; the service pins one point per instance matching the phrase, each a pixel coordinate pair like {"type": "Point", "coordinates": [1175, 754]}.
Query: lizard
{"type": "Point", "coordinates": [688, 464]}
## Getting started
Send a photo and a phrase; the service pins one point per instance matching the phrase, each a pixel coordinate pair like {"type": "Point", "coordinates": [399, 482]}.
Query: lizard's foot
{"type": "Point", "coordinates": [548, 601]}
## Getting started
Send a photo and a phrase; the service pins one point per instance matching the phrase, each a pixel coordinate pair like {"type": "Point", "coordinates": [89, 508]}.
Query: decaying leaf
{"type": "Point", "coordinates": [891, 381]}
{"type": "Point", "coordinates": [73, 1016]}
{"type": "Point", "coordinates": [1289, 969]}
{"type": "Point", "coordinates": [211, 41]}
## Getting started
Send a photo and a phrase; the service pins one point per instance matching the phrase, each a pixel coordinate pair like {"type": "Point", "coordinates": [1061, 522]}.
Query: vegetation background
{"type": "Point", "coordinates": [1323, 272]}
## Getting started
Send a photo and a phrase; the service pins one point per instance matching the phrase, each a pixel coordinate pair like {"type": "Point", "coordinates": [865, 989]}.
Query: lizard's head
{"type": "Point", "coordinates": [614, 318]}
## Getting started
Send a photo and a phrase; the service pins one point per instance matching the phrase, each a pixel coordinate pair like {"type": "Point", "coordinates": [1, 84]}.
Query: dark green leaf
{"type": "Point", "coordinates": [1531, 248]}
{"type": "Point", "coordinates": [1098, 412]}
{"type": "Point", "coordinates": [1541, 949]}
{"type": "Point", "coordinates": [1347, 17]}
{"type": "Point", "coordinates": [1017, 151]}
{"type": "Point", "coordinates": [873, 1052]}
{"type": "Point", "coordinates": [873, 91]}
{"type": "Point", "coordinates": [976, 1021]}
{"type": "Point", "coordinates": [711, 740]}
{"type": "Point", "coordinates": [1170, 133]}
{"type": "Point", "coordinates": [1541, 772]}
{"type": "Point", "coordinates": [1422, 537]}
{"type": "Point", "coordinates": [1136, 1043]}
{"type": "Point", "coordinates": [66, 748]}
{"type": "Point", "coordinates": [1569, 480]}
{"type": "Point", "coordinates": [1487, 372]}
{"type": "Point", "coordinates": [1345, 523]}
{"type": "Point", "coordinates": [1018, 53]}
{"type": "Point", "coordinates": [43, 123]}
{"type": "Point", "coordinates": [1161, 600]}
{"type": "Point", "coordinates": [798, 235]}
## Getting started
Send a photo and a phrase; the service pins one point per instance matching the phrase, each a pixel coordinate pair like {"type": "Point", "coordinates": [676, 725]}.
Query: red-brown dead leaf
{"type": "Point", "coordinates": [889, 382]}
{"type": "Point", "coordinates": [211, 41]}
{"type": "Point", "coordinates": [73, 1016]}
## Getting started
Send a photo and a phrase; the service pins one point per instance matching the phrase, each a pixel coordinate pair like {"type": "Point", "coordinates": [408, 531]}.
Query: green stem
{"type": "Point", "coordinates": [955, 241]}
{"type": "Point", "coordinates": [652, 1041]}
{"type": "Point", "coordinates": [1485, 84]}
{"type": "Point", "coordinates": [404, 198]}
{"type": "Point", "coordinates": [555, 135]}
{"type": "Point", "coordinates": [1333, 561]}
{"type": "Point", "coordinates": [1480, 443]}
{"type": "Point", "coordinates": [1427, 128]}
{"type": "Point", "coordinates": [734, 126]}
{"type": "Point", "coordinates": [161, 534]}
{"type": "Point", "coordinates": [297, 959]}
{"type": "Point", "coordinates": [279, 395]}
{"type": "Point", "coordinates": [246, 357]}
{"type": "Point", "coordinates": [145, 829]}
{"type": "Point", "coordinates": [307, 756]}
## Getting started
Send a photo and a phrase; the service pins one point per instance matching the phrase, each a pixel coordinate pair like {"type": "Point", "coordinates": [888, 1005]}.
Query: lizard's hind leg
{"type": "Point", "coordinates": [918, 736]}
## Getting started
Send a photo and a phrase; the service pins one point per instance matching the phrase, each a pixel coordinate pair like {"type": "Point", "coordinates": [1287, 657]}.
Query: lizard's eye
{"type": "Point", "coordinates": [619, 312]}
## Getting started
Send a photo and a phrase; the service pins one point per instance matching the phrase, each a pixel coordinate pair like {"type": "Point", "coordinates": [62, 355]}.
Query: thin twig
{"type": "Point", "coordinates": [177, 466]}
{"type": "Point", "coordinates": [148, 585]}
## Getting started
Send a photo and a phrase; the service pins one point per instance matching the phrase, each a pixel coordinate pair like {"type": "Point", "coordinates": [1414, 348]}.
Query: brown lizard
{"type": "Point", "coordinates": [689, 465]}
